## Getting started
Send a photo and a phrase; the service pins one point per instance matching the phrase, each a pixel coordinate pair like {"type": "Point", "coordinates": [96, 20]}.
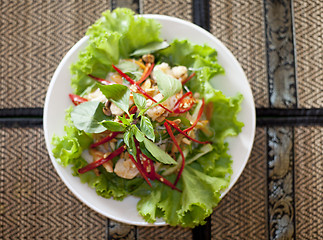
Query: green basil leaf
{"type": "Point", "coordinates": [130, 143]}
{"type": "Point", "coordinates": [150, 48]}
{"type": "Point", "coordinates": [167, 84]}
{"type": "Point", "coordinates": [126, 121]}
{"type": "Point", "coordinates": [126, 138]}
{"type": "Point", "coordinates": [147, 128]}
{"type": "Point", "coordinates": [117, 93]}
{"type": "Point", "coordinates": [159, 154]}
{"type": "Point", "coordinates": [140, 101]}
{"type": "Point", "coordinates": [88, 115]}
{"type": "Point", "coordinates": [138, 134]}
{"type": "Point", "coordinates": [113, 126]}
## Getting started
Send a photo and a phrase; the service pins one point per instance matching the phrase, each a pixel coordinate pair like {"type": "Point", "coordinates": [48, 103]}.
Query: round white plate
{"type": "Point", "coordinates": [234, 81]}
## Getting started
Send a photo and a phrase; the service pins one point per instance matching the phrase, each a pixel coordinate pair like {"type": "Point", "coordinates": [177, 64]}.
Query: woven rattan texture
{"type": "Point", "coordinates": [309, 182]}
{"type": "Point", "coordinates": [239, 24]}
{"type": "Point", "coordinates": [159, 233]}
{"type": "Point", "coordinates": [35, 203]}
{"type": "Point", "coordinates": [309, 49]}
{"type": "Point", "coordinates": [34, 36]}
{"type": "Point", "coordinates": [180, 9]}
{"type": "Point", "coordinates": [242, 212]}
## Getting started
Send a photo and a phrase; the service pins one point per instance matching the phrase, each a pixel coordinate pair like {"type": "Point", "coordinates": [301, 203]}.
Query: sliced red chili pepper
{"type": "Point", "coordinates": [183, 105]}
{"type": "Point", "coordinates": [198, 117]}
{"type": "Point", "coordinates": [76, 99]}
{"type": "Point", "coordinates": [149, 168]}
{"type": "Point", "coordinates": [188, 78]}
{"type": "Point", "coordinates": [133, 109]}
{"type": "Point", "coordinates": [148, 165]}
{"type": "Point", "coordinates": [102, 160]}
{"type": "Point", "coordinates": [103, 81]}
{"type": "Point", "coordinates": [146, 72]}
{"type": "Point", "coordinates": [153, 175]}
{"type": "Point", "coordinates": [131, 81]}
{"type": "Point", "coordinates": [169, 130]}
{"type": "Point", "coordinates": [105, 139]}
{"type": "Point", "coordinates": [174, 125]}
{"type": "Point", "coordinates": [140, 169]}
{"type": "Point", "coordinates": [143, 161]}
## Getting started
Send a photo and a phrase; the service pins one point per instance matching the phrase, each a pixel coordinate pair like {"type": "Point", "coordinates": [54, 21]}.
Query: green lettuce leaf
{"type": "Point", "coordinates": [68, 149]}
{"type": "Point", "coordinates": [183, 52]}
{"type": "Point", "coordinates": [114, 36]}
{"type": "Point", "coordinates": [200, 194]}
{"type": "Point", "coordinates": [224, 120]}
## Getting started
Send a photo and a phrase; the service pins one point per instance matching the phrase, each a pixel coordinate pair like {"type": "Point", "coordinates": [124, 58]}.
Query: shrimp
{"type": "Point", "coordinates": [115, 110]}
{"type": "Point", "coordinates": [98, 155]}
{"type": "Point", "coordinates": [125, 168]}
{"type": "Point", "coordinates": [164, 67]}
{"type": "Point", "coordinates": [180, 72]}
{"type": "Point", "coordinates": [156, 111]}
{"type": "Point", "coordinates": [96, 96]}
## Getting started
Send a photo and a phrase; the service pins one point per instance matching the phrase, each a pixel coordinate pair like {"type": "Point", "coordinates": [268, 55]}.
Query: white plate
{"type": "Point", "coordinates": [234, 81]}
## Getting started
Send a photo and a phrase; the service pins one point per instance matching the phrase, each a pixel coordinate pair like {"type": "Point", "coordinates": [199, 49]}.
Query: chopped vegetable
{"type": "Point", "coordinates": [77, 99]}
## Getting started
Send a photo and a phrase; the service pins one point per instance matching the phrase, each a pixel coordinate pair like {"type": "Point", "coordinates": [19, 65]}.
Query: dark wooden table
{"type": "Point", "coordinates": [279, 45]}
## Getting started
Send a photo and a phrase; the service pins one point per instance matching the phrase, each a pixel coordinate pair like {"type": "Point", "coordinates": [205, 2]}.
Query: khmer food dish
{"type": "Point", "coordinates": [145, 120]}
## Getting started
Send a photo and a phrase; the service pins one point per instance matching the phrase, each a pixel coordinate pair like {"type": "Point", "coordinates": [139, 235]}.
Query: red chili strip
{"type": "Point", "coordinates": [103, 81]}
{"type": "Point", "coordinates": [178, 108]}
{"type": "Point", "coordinates": [182, 132]}
{"type": "Point", "coordinates": [143, 161]}
{"type": "Point", "coordinates": [140, 169]}
{"type": "Point", "coordinates": [131, 81]}
{"type": "Point", "coordinates": [133, 109]}
{"type": "Point", "coordinates": [198, 117]}
{"type": "Point", "coordinates": [76, 99]}
{"type": "Point", "coordinates": [102, 160]}
{"type": "Point", "coordinates": [148, 166]}
{"type": "Point", "coordinates": [154, 175]}
{"type": "Point", "coordinates": [105, 139]}
{"type": "Point", "coordinates": [146, 73]}
{"type": "Point", "coordinates": [188, 78]}
{"type": "Point", "coordinates": [169, 130]}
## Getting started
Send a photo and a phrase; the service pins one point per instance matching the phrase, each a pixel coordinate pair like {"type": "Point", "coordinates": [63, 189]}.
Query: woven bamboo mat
{"type": "Point", "coordinates": [34, 198]}
{"type": "Point", "coordinates": [35, 35]}
{"type": "Point", "coordinates": [309, 42]}
{"type": "Point", "coordinates": [35, 203]}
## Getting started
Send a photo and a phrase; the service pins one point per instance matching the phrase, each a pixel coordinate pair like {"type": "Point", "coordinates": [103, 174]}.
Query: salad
{"type": "Point", "coordinates": [145, 120]}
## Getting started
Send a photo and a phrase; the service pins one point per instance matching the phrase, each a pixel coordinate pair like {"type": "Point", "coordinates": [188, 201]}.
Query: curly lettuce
{"type": "Point", "coordinates": [115, 35]}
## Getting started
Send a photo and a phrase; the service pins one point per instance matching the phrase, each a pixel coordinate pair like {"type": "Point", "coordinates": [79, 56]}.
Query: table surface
{"type": "Point", "coordinates": [279, 45]}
